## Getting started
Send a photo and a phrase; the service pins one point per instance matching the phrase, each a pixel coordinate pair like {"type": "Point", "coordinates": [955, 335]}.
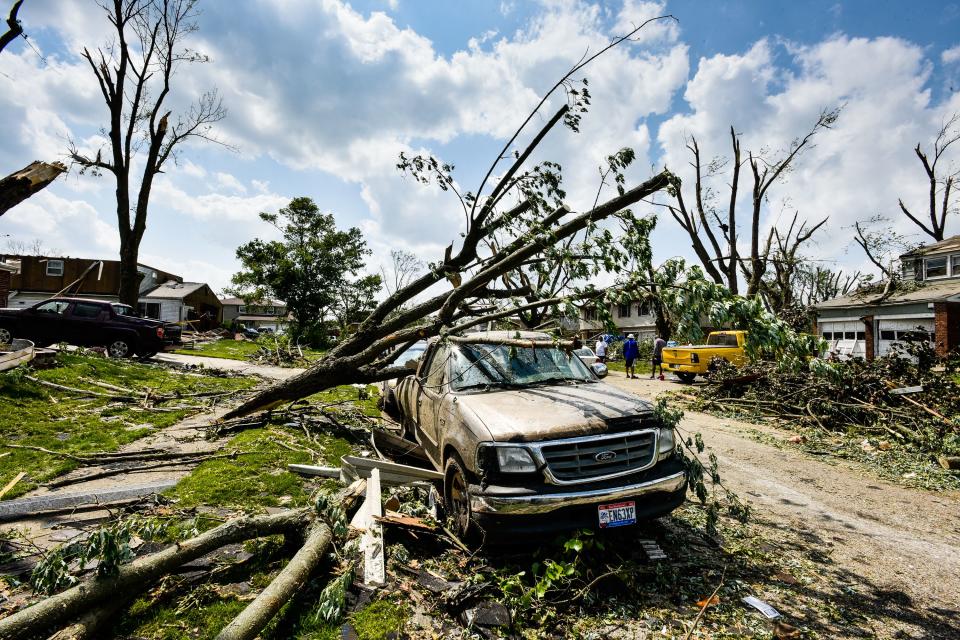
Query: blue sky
{"type": "Point", "coordinates": [323, 95]}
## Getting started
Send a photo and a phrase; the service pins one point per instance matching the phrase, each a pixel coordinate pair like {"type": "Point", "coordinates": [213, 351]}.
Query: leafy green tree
{"type": "Point", "coordinates": [356, 300]}
{"type": "Point", "coordinates": [309, 269]}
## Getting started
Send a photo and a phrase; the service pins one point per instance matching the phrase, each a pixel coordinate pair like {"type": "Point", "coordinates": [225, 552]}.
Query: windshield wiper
{"type": "Point", "coordinates": [489, 385]}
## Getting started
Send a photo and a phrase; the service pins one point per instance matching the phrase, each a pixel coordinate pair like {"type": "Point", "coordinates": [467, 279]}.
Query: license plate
{"type": "Point", "coordinates": [618, 514]}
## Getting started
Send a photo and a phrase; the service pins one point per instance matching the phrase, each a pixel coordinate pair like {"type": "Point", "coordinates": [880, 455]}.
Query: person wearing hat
{"type": "Point", "coordinates": [631, 351]}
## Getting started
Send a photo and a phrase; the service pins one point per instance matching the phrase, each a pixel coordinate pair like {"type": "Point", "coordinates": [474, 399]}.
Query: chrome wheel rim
{"type": "Point", "coordinates": [119, 349]}
{"type": "Point", "coordinates": [459, 502]}
{"type": "Point", "coordinates": [5, 336]}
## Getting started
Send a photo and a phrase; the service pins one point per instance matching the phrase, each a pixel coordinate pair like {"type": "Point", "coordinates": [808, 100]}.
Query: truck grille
{"type": "Point", "coordinates": [596, 457]}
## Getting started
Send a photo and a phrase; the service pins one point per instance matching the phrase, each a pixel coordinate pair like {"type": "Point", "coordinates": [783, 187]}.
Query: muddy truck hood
{"type": "Point", "coordinates": [546, 413]}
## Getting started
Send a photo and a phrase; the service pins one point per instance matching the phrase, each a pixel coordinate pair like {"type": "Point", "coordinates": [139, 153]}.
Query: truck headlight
{"type": "Point", "coordinates": [667, 441]}
{"type": "Point", "coordinates": [515, 460]}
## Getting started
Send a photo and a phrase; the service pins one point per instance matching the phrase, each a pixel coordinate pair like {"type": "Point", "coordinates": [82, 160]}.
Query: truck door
{"type": "Point", "coordinates": [47, 323]}
{"type": "Point", "coordinates": [85, 323]}
{"type": "Point", "coordinates": [430, 389]}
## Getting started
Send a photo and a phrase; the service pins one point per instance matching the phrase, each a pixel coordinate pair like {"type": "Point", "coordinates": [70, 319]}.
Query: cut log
{"type": "Point", "coordinates": [53, 612]}
{"type": "Point", "coordinates": [949, 462]}
{"type": "Point", "coordinates": [19, 186]}
{"type": "Point", "coordinates": [258, 613]}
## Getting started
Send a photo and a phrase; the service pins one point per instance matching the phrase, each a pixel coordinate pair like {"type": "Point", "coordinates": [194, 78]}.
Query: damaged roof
{"type": "Point", "coordinates": [175, 290]}
{"type": "Point", "coordinates": [925, 292]}
{"type": "Point", "coordinates": [944, 246]}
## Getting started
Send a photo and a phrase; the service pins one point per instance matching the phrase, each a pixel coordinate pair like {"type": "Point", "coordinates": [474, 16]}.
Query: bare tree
{"type": "Point", "coordinates": [880, 243]}
{"type": "Point", "coordinates": [779, 287]}
{"type": "Point", "coordinates": [404, 267]}
{"type": "Point", "coordinates": [14, 28]}
{"type": "Point", "coordinates": [471, 272]}
{"type": "Point", "coordinates": [35, 247]}
{"type": "Point", "coordinates": [714, 237]}
{"type": "Point", "coordinates": [135, 74]}
{"type": "Point", "coordinates": [941, 186]}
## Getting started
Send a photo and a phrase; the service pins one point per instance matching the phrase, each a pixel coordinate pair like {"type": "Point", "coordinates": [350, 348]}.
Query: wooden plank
{"type": "Point", "coordinates": [312, 470]}
{"type": "Point", "coordinates": [12, 484]}
{"type": "Point", "coordinates": [56, 501]}
{"type": "Point", "coordinates": [374, 569]}
{"type": "Point", "coordinates": [364, 465]}
{"type": "Point", "coordinates": [404, 521]}
{"type": "Point", "coordinates": [903, 390]}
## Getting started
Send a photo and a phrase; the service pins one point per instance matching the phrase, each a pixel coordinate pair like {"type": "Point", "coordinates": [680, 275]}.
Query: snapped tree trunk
{"type": "Point", "coordinates": [20, 185]}
{"type": "Point", "coordinates": [51, 613]}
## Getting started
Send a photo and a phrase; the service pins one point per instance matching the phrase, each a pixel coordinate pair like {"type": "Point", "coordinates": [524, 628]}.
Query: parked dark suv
{"type": "Point", "coordinates": [89, 323]}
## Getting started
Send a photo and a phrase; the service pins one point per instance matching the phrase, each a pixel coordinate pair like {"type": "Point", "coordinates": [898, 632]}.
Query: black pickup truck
{"type": "Point", "coordinates": [89, 323]}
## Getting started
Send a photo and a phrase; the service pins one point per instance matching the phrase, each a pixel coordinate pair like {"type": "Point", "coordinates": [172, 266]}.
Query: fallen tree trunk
{"type": "Point", "coordinates": [53, 612]}
{"type": "Point", "coordinates": [260, 612]}
{"type": "Point", "coordinates": [20, 185]}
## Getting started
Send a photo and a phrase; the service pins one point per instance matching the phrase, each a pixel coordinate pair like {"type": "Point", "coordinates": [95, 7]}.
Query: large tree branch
{"type": "Point", "coordinates": [20, 185]}
{"type": "Point", "coordinates": [14, 28]}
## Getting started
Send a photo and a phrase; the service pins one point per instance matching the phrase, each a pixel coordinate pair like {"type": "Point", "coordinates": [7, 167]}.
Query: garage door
{"type": "Point", "coordinates": [846, 338]}
{"type": "Point", "coordinates": [892, 332]}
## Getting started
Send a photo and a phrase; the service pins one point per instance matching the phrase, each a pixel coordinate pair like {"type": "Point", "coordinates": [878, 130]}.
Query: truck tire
{"type": "Point", "coordinates": [456, 499]}
{"type": "Point", "coordinates": [686, 377]}
{"type": "Point", "coordinates": [6, 337]}
{"type": "Point", "coordinates": [120, 347]}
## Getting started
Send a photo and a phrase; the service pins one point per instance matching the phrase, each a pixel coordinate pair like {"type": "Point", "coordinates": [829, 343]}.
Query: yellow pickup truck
{"type": "Point", "coordinates": [691, 360]}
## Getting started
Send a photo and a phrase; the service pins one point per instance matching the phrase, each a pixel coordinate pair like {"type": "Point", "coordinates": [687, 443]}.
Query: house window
{"type": "Point", "coordinates": [55, 268]}
{"type": "Point", "coordinates": [935, 267]}
{"type": "Point", "coordinates": [242, 309]}
{"type": "Point", "coordinates": [827, 335]}
{"type": "Point", "coordinates": [149, 310]}
{"type": "Point", "coordinates": [643, 309]}
{"type": "Point", "coordinates": [850, 335]}
{"type": "Point", "coordinates": [955, 265]}
{"type": "Point", "coordinates": [623, 311]}
{"type": "Point", "coordinates": [887, 334]}
{"type": "Point", "coordinates": [590, 314]}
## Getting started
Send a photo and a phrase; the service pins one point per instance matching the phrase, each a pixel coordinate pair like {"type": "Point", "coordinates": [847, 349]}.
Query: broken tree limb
{"type": "Point", "coordinates": [85, 392]}
{"type": "Point", "coordinates": [58, 609]}
{"type": "Point", "coordinates": [159, 465]}
{"type": "Point", "coordinates": [20, 185]}
{"type": "Point", "coordinates": [258, 613]}
{"type": "Point", "coordinates": [12, 509]}
{"type": "Point", "coordinates": [10, 485]}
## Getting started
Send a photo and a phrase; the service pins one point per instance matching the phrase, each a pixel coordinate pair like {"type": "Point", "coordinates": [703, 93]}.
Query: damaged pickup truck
{"type": "Point", "coordinates": [530, 441]}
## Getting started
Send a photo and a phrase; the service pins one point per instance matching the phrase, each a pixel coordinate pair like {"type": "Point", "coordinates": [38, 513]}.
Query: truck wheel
{"type": "Point", "coordinates": [456, 499]}
{"type": "Point", "coordinates": [5, 336]}
{"type": "Point", "coordinates": [119, 348]}
{"type": "Point", "coordinates": [686, 378]}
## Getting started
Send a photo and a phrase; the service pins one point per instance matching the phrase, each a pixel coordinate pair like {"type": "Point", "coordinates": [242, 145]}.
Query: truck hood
{"type": "Point", "coordinates": [546, 413]}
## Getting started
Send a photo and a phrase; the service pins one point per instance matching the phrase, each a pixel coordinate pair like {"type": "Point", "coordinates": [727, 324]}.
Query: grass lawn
{"type": "Point", "coordinates": [239, 349]}
{"type": "Point", "coordinates": [642, 367]}
{"type": "Point", "coordinates": [40, 416]}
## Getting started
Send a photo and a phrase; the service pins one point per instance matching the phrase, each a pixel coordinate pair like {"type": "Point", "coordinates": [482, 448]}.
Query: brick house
{"type": "Point", "coordinates": [871, 324]}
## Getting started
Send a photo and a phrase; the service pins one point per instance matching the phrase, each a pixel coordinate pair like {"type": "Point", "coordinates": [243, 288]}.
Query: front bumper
{"type": "Point", "coordinates": [533, 504]}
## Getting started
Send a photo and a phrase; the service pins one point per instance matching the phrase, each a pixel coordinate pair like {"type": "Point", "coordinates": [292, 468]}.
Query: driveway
{"type": "Point", "coordinates": [901, 545]}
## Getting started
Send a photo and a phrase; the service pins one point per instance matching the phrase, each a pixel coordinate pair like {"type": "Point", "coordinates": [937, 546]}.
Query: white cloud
{"type": "Point", "coordinates": [857, 169]}
{"type": "Point", "coordinates": [229, 182]}
{"type": "Point", "coordinates": [73, 226]}
{"type": "Point", "coordinates": [951, 55]}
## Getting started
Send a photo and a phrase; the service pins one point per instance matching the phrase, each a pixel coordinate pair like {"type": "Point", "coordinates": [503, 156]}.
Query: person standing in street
{"type": "Point", "coordinates": [657, 360]}
{"type": "Point", "coordinates": [631, 351]}
{"type": "Point", "coordinates": [601, 350]}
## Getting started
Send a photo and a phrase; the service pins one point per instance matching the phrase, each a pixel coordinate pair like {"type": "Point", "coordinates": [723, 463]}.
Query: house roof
{"type": "Point", "coordinates": [927, 292]}
{"type": "Point", "coordinates": [263, 318]}
{"type": "Point", "coordinates": [8, 267]}
{"type": "Point", "coordinates": [944, 246]}
{"type": "Point", "coordinates": [175, 290]}
{"type": "Point", "coordinates": [256, 303]}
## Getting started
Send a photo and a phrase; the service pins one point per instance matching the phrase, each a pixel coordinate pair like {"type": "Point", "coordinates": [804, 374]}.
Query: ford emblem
{"type": "Point", "coordinates": [605, 456]}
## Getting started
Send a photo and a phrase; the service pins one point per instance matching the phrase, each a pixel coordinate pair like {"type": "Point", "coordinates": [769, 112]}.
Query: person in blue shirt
{"type": "Point", "coordinates": [631, 351]}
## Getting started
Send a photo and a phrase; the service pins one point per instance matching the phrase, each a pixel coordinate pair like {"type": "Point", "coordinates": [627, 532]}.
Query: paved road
{"type": "Point", "coordinates": [899, 541]}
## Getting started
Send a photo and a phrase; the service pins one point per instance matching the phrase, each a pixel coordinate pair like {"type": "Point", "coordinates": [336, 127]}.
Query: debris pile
{"type": "Point", "coordinates": [892, 399]}
{"type": "Point", "coordinates": [278, 351]}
